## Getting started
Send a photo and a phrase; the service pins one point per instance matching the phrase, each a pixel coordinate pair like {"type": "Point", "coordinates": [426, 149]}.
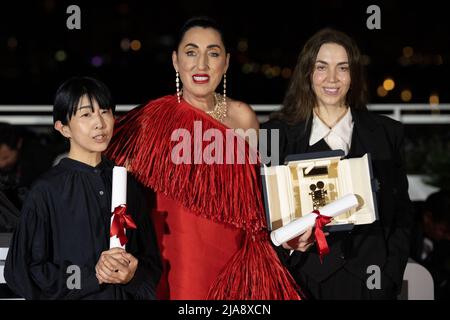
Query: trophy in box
{"type": "Point", "coordinates": [308, 182]}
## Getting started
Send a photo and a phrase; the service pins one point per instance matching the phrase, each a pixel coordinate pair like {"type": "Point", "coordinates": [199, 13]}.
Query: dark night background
{"type": "Point", "coordinates": [38, 52]}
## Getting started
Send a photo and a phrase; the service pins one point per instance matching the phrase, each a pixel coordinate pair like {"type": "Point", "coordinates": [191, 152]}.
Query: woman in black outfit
{"type": "Point", "coordinates": [325, 109]}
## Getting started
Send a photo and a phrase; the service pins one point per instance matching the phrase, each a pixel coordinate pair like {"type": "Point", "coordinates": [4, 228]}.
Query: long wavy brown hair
{"type": "Point", "coordinates": [300, 98]}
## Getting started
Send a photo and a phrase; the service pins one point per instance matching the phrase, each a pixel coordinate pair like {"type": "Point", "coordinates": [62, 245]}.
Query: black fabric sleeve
{"type": "Point", "coordinates": [274, 148]}
{"type": "Point", "coordinates": [398, 238]}
{"type": "Point", "coordinates": [29, 269]}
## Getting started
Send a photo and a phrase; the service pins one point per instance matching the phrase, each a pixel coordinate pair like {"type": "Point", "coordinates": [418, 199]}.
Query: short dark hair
{"type": "Point", "coordinates": [70, 92]}
{"type": "Point", "coordinates": [300, 98]}
{"type": "Point", "coordinates": [438, 204]}
{"type": "Point", "coordinates": [10, 135]}
{"type": "Point", "coordinates": [203, 22]}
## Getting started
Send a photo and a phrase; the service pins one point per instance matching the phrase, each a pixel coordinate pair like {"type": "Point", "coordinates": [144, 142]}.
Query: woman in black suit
{"type": "Point", "coordinates": [325, 109]}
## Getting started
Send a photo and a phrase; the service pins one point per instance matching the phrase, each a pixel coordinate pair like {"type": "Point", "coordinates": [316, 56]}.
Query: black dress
{"type": "Point", "coordinates": [384, 243]}
{"type": "Point", "coordinates": [65, 222]}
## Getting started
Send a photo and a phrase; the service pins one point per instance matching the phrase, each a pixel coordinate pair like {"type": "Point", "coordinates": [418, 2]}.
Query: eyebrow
{"type": "Point", "coordinates": [324, 62]}
{"type": "Point", "coordinates": [88, 106]}
{"type": "Point", "coordinates": [209, 47]}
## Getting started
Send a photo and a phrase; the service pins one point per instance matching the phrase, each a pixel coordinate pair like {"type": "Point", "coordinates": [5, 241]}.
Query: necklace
{"type": "Point", "coordinates": [331, 125]}
{"type": "Point", "coordinates": [220, 109]}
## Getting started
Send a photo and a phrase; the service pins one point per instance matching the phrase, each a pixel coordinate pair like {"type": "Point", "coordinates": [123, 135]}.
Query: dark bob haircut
{"type": "Point", "coordinates": [70, 92]}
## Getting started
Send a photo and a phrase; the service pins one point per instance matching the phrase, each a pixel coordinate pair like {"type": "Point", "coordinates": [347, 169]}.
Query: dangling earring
{"type": "Point", "coordinates": [177, 81]}
{"type": "Point", "coordinates": [224, 87]}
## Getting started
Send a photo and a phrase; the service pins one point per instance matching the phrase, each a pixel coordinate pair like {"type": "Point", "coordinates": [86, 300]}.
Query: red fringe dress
{"type": "Point", "coordinates": [210, 218]}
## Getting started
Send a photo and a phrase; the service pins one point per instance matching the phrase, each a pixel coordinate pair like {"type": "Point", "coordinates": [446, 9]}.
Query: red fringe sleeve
{"type": "Point", "coordinates": [224, 193]}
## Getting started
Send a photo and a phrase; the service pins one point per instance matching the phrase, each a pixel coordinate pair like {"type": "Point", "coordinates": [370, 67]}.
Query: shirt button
{"type": "Point", "coordinates": [101, 192]}
{"type": "Point", "coordinates": [95, 171]}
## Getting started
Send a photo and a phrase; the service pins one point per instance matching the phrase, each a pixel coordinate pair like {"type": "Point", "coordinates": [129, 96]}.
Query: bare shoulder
{"type": "Point", "coordinates": [241, 115]}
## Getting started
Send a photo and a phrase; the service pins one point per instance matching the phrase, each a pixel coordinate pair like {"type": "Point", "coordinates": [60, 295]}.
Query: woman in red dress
{"type": "Point", "coordinates": [209, 218]}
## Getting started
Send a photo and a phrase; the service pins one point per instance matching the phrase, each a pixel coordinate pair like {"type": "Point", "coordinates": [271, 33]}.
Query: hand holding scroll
{"type": "Point", "coordinates": [116, 266]}
{"type": "Point", "coordinates": [303, 242]}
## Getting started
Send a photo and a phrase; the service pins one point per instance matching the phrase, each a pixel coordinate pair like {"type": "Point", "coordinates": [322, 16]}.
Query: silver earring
{"type": "Point", "coordinates": [224, 86]}
{"type": "Point", "coordinates": [177, 81]}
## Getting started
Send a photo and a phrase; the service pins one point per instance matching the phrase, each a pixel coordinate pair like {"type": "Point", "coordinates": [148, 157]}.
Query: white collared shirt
{"type": "Point", "coordinates": [338, 137]}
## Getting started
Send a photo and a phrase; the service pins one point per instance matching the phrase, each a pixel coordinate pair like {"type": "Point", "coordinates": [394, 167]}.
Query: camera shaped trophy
{"type": "Point", "coordinates": [310, 181]}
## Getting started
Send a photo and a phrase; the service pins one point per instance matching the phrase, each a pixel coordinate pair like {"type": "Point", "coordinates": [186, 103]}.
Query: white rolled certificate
{"type": "Point", "coordinates": [300, 225]}
{"type": "Point", "coordinates": [118, 197]}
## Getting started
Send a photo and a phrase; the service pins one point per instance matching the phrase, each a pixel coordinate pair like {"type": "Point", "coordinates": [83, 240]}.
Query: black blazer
{"type": "Point", "coordinates": [384, 243]}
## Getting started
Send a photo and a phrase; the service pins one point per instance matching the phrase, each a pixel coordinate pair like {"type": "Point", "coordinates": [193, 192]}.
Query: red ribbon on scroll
{"type": "Point", "coordinates": [322, 244]}
{"type": "Point", "coordinates": [121, 220]}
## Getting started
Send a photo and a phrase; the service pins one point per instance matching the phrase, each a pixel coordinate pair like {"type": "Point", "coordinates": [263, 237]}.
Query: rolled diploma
{"type": "Point", "coordinates": [118, 197]}
{"type": "Point", "coordinates": [300, 225]}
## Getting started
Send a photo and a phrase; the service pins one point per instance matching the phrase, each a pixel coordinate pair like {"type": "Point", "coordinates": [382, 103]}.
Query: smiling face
{"type": "Point", "coordinates": [89, 129]}
{"type": "Point", "coordinates": [202, 61]}
{"type": "Point", "coordinates": [331, 76]}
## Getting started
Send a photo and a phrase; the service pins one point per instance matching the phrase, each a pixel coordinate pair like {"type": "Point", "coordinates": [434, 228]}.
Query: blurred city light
{"type": "Point", "coordinates": [388, 84]}
{"type": "Point", "coordinates": [406, 95]}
